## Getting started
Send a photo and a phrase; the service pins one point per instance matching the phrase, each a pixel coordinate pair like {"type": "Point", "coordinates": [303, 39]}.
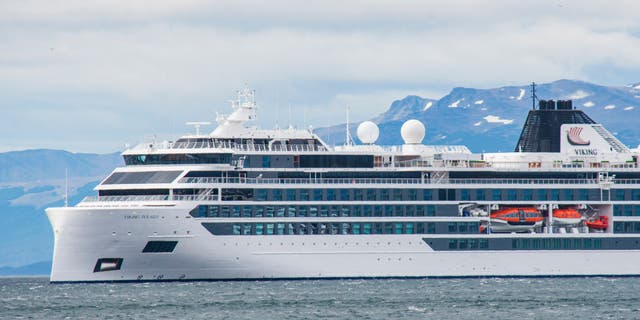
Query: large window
{"type": "Point", "coordinates": [336, 161]}
{"type": "Point", "coordinates": [142, 177]}
{"type": "Point", "coordinates": [195, 158]}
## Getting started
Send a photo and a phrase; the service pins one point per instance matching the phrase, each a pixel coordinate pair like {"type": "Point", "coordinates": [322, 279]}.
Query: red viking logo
{"type": "Point", "coordinates": [573, 135]}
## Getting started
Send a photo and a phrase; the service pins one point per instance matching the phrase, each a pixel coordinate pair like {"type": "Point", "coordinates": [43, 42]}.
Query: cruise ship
{"type": "Point", "coordinates": [246, 203]}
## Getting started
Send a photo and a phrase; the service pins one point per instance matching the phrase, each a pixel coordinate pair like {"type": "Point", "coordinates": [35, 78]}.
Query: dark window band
{"type": "Point", "coordinates": [160, 246]}
{"type": "Point", "coordinates": [537, 243]}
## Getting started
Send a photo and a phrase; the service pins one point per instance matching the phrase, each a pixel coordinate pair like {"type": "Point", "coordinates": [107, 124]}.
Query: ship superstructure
{"type": "Point", "coordinates": [244, 203]}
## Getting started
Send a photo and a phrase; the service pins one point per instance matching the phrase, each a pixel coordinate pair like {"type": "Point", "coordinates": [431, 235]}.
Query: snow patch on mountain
{"type": "Point", "coordinates": [455, 104]}
{"type": "Point", "coordinates": [479, 102]}
{"type": "Point", "coordinates": [588, 104]}
{"type": "Point", "coordinates": [427, 106]}
{"type": "Point", "coordinates": [629, 108]}
{"type": "Point", "coordinates": [609, 107]}
{"type": "Point", "coordinates": [521, 95]}
{"type": "Point", "coordinates": [637, 87]}
{"type": "Point", "coordinates": [580, 94]}
{"type": "Point", "coordinates": [477, 124]}
{"type": "Point", "coordinates": [497, 119]}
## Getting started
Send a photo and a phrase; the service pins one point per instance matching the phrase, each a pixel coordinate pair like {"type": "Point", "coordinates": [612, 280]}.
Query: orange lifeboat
{"type": "Point", "coordinates": [599, 224]}
{"type": "Point", "coordinates": [515, 219]}
{"type": "Point", "coordinates": [567, 216]}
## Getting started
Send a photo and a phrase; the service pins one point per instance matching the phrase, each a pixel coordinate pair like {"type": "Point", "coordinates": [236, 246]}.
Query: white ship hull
{"type": "Point", "coordinates": [84, 235]}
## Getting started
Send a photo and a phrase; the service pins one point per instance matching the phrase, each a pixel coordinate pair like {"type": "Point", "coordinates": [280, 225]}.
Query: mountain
{"type": "Point", "coordinates": [491, 119]}
{"type": "Point", "coordinates": [43, 164]}
{"type": "Point", "coordinates": [31, 181]}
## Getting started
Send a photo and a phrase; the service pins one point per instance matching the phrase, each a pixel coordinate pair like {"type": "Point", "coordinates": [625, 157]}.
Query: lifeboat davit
{"type": "Point", "coordinates": [599, 224]}
{"type": "Point", "coordinates": [515, 220]}
{"type": "Point", "coordinates": [568, 216]}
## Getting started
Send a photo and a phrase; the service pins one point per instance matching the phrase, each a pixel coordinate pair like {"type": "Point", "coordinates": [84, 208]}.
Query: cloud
{"type": "Point", "coordinates": [497, 119]}
{"type": "Point", "coordinates": [123, 69]}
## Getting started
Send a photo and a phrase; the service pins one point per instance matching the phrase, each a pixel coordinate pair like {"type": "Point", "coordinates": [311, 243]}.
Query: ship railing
{"type": "Point", "coordinates": [150, 198]}
{"type": "Point", "coordinates": [275, 147]}
{"type": "Point", "coordinates": [221, 180]}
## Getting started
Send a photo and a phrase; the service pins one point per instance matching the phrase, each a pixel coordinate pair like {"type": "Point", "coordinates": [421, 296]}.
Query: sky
{"type": "Point", "coordinates": [92, 76]}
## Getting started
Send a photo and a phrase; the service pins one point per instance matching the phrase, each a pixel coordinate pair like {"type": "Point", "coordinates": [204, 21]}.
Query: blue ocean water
{"type": "Point", "coordinates": [489, 298]}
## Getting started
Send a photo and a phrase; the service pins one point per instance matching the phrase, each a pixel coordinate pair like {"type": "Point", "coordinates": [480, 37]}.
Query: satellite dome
{"type": "Point", "coordinates": [412, 131]}
{"type": "Point", "coordinates": [368, 132]}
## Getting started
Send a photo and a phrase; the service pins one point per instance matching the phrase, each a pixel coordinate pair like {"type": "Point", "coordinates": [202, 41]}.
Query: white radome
{"type": "Point", "coordinates": [412, 131]}
{"type": "Point", "coordinates": [368, 132]}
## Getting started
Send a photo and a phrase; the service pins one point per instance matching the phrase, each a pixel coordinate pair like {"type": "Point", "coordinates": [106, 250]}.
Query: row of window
{"type": "Point", "coordinates": [269, 211]}
{"type": "Point", "coordinates": [626, 227]}
{"type": "Point", "coordinates": [468, 244]}
{"type": "Point", "coordinates": [405, 194]}
{"type": "Point", "coordinates": [625, 195]}
{"type": "Point", "coordinates": [340, 228]}
{"type": "Point", "coordinates": [194, 158]}
{"type": "Point", "coordinates": [626, 210]}
{"type": "Point", "coordinates": [520, 244]}
{"type": "Point", "coordinates": [556, 244]}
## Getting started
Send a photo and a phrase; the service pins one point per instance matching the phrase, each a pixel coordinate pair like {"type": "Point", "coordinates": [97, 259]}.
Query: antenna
{"type": "Point", "coordinates": [66, 187]}
{"type": "Point", "coordinates": [304, 116]}
{"type": "Point", "coordinates": [533, 95]}
{"type": "Point", "coordinates": [348, 139]}
{"type": "Point", "coordinates": [197, 125]}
